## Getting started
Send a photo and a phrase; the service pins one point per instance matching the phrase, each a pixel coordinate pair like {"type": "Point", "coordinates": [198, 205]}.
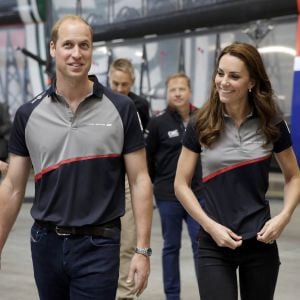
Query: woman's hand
{"type": "Point", "coordinates": [273, 228]}
{"type": "Point", "coordinates": [224, 237]}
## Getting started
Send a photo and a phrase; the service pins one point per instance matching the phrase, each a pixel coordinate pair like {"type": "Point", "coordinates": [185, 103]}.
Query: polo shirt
{"type": "Point", "coordinates": [235, 173]}
{"type": "Point", "coordinates": [77, 157]}
{"type": "Point", "coordinates": [163, 145]}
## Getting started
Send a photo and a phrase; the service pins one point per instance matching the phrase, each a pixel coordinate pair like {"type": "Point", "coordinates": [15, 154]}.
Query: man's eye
{"type": "Point", "coordinates": [67, 45]}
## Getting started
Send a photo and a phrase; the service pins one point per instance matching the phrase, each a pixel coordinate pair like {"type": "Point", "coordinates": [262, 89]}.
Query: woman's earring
{"type": "Point", "coordinates": [250, 90]}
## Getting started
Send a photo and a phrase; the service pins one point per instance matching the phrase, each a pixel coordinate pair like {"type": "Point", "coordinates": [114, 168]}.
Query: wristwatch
{"type": "Point", "coordinates": [145, 251]}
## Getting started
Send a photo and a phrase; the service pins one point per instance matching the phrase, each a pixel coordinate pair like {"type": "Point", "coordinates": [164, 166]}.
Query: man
{"type": "Point", "coordinates": [80, 138]}
{"type": "Point", "coordinates": [121, 80]}
{"type": "Point", "coordinates": [163, 141]}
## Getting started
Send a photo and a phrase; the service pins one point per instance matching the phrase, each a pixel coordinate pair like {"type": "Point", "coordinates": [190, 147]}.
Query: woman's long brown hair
{"type": "Point", "coordinates": [210, 117]}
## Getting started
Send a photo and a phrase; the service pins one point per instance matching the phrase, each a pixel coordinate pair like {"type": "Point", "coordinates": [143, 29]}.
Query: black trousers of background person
{"type": "Point", "coordinates": [257, 264]}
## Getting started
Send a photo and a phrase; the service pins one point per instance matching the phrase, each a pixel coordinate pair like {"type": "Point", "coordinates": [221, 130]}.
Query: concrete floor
{"type": "Point", "coordinates": [16, 276]}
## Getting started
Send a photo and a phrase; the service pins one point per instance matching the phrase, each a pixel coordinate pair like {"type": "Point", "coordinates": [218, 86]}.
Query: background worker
{"type": "Point", "coordinates": [121, 80]}
{"type": "Point", "coordinates": [163, 143]}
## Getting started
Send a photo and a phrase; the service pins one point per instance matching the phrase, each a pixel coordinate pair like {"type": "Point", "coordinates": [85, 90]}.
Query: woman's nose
{"type": "Point", "coordinates": [225, 81]}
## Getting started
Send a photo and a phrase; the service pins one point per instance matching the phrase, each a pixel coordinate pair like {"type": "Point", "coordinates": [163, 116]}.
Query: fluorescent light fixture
{"type": "Point", "coordinates": [102, 50]}
{"type": "Point", "coordinates": [277, 49]}
{"type": "Point", "coordinates": [138, 53]}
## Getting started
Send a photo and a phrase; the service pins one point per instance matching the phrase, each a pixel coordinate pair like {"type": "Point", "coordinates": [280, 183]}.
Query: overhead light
{"type": "Point", "coordinates": [102, 50]}
{"type": "Point", "coordinates": [277, 49]}
{"type": "Point", "coordinates": [138, 53]}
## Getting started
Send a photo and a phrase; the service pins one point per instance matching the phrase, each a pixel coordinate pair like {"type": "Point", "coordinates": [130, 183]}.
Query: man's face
{"type": "Point", "coordinates": [178, 92]}
{"type": "Point", "coordinates": [73, 50]}
{"type": "Point", "coordinates": [120, 82]}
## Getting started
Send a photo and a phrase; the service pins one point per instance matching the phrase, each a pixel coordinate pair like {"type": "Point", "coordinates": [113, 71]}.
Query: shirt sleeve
{"type": "Point", "coordinates": [133, 131]}
{"type": "Point", "coordinates": [190, 138]}
{"type": "Point", "coordinates": [284, 140]}
{"type": "Point", "coordinates": [17, 143]}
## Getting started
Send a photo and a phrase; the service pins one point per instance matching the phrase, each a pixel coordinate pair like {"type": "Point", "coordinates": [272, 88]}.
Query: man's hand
{"type": "Point", "coordinates": [139, 272]}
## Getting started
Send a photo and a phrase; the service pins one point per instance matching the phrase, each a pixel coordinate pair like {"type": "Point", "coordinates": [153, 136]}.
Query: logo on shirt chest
{"type": "Point", "coordinates": [173, 133]}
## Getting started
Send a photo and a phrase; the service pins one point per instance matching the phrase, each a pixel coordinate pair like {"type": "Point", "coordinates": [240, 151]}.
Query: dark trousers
{"type": "Point", "coordinates": [75, 267]}
{"type": "Point", "coordinates": [257, 264]}
{"type": "Point", "coordinates": [172, 215]}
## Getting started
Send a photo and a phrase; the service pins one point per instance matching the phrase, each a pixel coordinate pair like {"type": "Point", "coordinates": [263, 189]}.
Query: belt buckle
{"type": "Point", "coordinates": [58, 232]}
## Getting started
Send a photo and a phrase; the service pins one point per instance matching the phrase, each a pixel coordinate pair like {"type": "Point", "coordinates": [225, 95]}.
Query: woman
{"type": "Point", "coordinates": [236, 132]}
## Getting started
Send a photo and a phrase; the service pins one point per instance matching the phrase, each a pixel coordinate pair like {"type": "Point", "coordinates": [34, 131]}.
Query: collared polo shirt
{"type": "Point", "coordinates": [235, 173]}
{"type": "Point", "coordinates": [77, 157]}
{"type": "Point", "coordinates": [163, 144]}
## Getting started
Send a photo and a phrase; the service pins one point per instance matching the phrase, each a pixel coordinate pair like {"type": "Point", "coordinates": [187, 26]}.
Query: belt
{"type": "Point", "coordinates": [104, 230]}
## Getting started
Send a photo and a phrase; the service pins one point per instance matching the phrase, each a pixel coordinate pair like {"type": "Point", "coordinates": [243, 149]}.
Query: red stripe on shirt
{"type": "Point", "coordinates": [71, 160]}
{"type": "Point", "coordinates": [229, 168]}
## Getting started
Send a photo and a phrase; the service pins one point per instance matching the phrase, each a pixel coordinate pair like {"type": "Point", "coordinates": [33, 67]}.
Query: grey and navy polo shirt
{"type": "Point", "coordinates": [77, 157]}
{"type": "Point", "coordinates": [235, 173]}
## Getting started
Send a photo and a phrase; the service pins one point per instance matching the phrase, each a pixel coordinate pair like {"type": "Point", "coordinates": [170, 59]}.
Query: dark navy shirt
{"type": "Point", "coordinates": [163, 144]}
{"type": "Point", "coordinates": [235, 174]}
{"type": "Point", "coordinates": [77, 157]}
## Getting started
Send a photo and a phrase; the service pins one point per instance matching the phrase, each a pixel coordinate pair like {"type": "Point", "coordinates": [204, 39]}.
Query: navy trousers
{"type": "Point", "coordinates": [172, 215]}
{"type": "Point", "coordinates": [75, 267]}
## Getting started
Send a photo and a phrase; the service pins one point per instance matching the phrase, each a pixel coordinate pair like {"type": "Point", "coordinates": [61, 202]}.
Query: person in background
{"type": "Point", "coordinates": [121, 80]}
{"type": "Point", "coordinates": [236, 133]}
{"type": "Point", "coordinates": [5, 128]}
{"type": "Point", "coordinates": [163, 145]}
{"type": "Point", "coordinates": [81, 138]}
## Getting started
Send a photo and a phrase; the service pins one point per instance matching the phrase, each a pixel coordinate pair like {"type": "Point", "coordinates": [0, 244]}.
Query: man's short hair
{"type": "Point", "coordinates": [56, 26]}
{"type": "Point", "coordinates": [123, 65]}
{"type": "Point", "coordinates": [179, 75]}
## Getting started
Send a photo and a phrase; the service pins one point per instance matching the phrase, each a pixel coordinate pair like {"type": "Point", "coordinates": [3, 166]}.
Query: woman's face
{"type": "Point", "coordinates": [233, 81]}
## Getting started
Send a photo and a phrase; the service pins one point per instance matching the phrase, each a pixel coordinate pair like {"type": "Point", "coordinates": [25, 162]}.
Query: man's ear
{"type": "Point", "coordinates": [52, 49]}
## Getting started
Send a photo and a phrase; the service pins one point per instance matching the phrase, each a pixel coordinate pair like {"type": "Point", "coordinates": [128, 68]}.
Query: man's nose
{"type": "Point", "coordinates": [119, 88]}
{"type": "Point", "coordinates": [76, 52]}
{"type": "Point", "coordinates": [177, 92]}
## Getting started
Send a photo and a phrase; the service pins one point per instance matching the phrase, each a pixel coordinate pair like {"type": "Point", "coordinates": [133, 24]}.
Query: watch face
{"type": "Point", "coordinates": [144, 251]}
